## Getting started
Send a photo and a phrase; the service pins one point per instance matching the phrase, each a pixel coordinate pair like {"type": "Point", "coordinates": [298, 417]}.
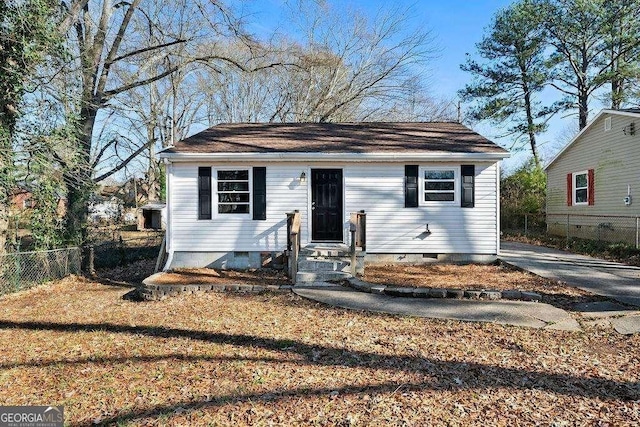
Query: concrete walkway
{"type": "Point", "coordinates": [518, 313]}
{"type": "Point", "coordinates": [617, 281]}
{"type": "Point", "coordinates": [610, 279]}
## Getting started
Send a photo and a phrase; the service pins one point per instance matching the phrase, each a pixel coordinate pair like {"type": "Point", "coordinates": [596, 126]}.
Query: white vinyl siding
{"type": "Point", "coordinates": [392, 228]}
{"type": "Point", "coordinates": [234, 232]}
{"type": "Point", "coordinates": [378, 188]}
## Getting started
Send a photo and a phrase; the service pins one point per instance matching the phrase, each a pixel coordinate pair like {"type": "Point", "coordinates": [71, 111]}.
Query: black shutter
{"type": "Point", "coordinates": [410, 186]}
{"type": "Point", "coordinates": [260, 193]}
{"type": "Point", "coordinates": [468, 186]}
{"type": "Point", "coordinates": [204, 193]}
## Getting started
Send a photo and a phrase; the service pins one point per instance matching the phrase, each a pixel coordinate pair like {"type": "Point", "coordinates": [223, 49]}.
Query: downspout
{"type": "Point", "coordinates": [498, 208]}
{"type": "Point", "coordinates": [168, 233]}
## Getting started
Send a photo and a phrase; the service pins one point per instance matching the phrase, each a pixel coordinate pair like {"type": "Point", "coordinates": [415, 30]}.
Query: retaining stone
{"type": "Point", "coordinates": [421, 292]}
{"type": "Point", "coordinates": [512, 295]}
{"type": "Point", "coordinates": [360, 285]}
{"type": "Point", "coordinates": [455, 293]}
{"type": "Point", "coordinates": [398, 291]}
{"type": "Point", "coordinates": [438, 293]}
{"type": "Point", "coordinates": [492, 295]}
{"type": "Point", "coordinates": [377, 289]}
{"type": "Point", "coordinates": [530, 296]}
{"type": "Point", "coordinates": [473, 294]}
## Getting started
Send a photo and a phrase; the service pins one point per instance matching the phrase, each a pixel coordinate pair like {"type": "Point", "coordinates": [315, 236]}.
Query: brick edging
{"type": "Point", "coordinates": [406, 291]}
{"type": "Point", "coordinates": [154, 292]}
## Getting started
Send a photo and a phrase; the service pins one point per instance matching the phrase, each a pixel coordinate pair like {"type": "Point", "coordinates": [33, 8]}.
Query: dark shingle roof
{"type": "Point", "coordinates": [337, 138]}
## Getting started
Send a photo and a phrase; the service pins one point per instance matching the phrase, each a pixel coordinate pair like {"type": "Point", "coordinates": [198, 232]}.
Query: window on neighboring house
{"type": "Point", "coordinates": [439, 185]}
{"type": "Point", "coordinates": [580, 188]}
{"type": "Point", "coordinates": [607, 124]}
{"type": "Point", "coordinates": [234, 192]}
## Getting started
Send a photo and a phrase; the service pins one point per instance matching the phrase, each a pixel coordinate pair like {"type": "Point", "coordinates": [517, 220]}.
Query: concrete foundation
{"type": "Point", "coordinates": [245, 260]}
{"type": "Point", "coordinates": [237, 260]}
{"type": "Point", "coordinates": [377, 259]}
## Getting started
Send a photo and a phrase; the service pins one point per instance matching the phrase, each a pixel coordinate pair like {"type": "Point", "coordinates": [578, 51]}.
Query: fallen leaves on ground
{"type": "Point", "coordinates": [198, 276]}
{"type": "Point", "coordinates": [276, 359]}
{"type": "Point", "coordinates": [477, 277]}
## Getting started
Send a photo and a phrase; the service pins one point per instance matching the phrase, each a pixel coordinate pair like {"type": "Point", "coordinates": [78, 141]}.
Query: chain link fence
{"type": "Point", "coordinates": [607, 228]}
{"type": "Point", "coordinates": [123, 251]}
{"type": "Point", "coordinates": [518, 223]}
{"type": "Point", "coordinates": [22, 270]}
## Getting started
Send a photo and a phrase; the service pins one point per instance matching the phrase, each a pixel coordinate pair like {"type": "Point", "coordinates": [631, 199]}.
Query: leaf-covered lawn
{"type": "Point", "coordinates": [229, 359]}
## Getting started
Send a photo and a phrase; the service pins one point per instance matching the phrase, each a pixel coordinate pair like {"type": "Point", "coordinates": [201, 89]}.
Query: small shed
{"type": "Point", "coordinates": [152, 216]}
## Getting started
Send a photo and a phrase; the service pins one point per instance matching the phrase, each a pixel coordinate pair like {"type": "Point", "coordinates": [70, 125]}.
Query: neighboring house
{"type": "Point", "coordinates": [595, 180]}
{"type": "Point", "coordinates": [105, 209]}
{"type": "Point", "coordinates": [429, 190]}
{"type": "Point", "coordinates": [23, 202]}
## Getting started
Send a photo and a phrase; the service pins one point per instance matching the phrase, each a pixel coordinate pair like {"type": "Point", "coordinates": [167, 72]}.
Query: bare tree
{"type": "Point", "coordinates": [116, 48]}
{"type": "Point", "coordinates": [341, 67]}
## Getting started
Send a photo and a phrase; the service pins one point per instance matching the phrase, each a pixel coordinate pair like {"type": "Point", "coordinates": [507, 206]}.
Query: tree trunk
{"type": "Point", "coordinates": [6, 177]}
{"type": "Point", "coordinates": [78, 180]}
{"type": "Point", "coordinates": [4, 226]}
{"type": "Point", "coordinates": [153, 186]}
{"type": "Point", "coordinates": [531, 125]}
{"type": "Point", "coordinates": [583, 110]}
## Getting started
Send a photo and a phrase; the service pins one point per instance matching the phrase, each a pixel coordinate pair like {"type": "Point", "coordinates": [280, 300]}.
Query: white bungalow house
{"type": "Point", "coordinates": [429, 191]}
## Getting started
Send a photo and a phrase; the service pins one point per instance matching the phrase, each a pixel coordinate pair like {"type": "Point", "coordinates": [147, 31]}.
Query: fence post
{"type": "Point", "coordinates": [18, 272]}
{"type": "Point", "coordinates": [526, 224]}
{"type": "Point", "coordinates": [567, 244]}
{"type": "Point", "coordinates": [637, 232]}
{"type": "Point", "coordinates": [92, 257]}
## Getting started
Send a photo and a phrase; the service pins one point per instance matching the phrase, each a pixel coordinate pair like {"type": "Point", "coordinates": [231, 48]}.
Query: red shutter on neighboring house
{"type": "Point", "coordinates": [569, 189]}
{"type": "Point", "coordinates": [592, 187]}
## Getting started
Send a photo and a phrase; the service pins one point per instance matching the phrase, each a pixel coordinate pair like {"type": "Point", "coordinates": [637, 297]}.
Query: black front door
{"type": "Point", "coordinates": [326, 204]}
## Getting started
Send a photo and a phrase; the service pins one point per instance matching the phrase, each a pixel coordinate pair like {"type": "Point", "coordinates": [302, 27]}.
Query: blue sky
{"type": "Point", "coordinates": [457, 25]}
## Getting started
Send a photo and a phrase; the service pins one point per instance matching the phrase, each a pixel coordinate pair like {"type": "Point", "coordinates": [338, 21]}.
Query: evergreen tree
{"type": "Point", "coordinates": [511, 74]}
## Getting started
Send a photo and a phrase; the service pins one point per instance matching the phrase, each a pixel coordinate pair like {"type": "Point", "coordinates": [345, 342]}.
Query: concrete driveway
{"type": "Point", "coordinates": [610, 279]}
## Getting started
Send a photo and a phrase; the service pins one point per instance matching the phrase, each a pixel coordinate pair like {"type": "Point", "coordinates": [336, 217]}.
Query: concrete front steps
{"type": "Point", "coordinates": [326, 263]}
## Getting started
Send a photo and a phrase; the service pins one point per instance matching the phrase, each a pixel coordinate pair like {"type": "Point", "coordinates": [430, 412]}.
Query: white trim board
{"type": "Point", "coordinates": [332, 157]}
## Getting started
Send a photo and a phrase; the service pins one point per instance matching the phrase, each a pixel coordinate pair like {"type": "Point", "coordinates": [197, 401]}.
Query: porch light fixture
{"type": "Point", "coordinates": [303, 177]}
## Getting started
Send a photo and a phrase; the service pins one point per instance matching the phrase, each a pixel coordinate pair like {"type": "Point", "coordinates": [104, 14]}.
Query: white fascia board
{"type": "Point", "coordinates": [333, 157]}
{"type": "Point", "coordinates": [586, 128]}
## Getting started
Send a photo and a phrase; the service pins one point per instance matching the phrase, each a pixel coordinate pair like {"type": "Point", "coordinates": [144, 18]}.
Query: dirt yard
{"type": "Point", "coordinates": [197, 276]}
{"type": "Point", "coordinates": [480, 277]}
{"type": "Point", "coordinates": [276, 359]}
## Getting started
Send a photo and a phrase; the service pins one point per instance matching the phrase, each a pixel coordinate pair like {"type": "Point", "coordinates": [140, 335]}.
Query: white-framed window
{"type": "Point", "coordinates": [607, 124]}
{"type": "Point", "coordinates": [581, 188]}
{"type": "Point", "coordinates": [439, 185]}
{"type": "Point", "coordinates": [233, 188]}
